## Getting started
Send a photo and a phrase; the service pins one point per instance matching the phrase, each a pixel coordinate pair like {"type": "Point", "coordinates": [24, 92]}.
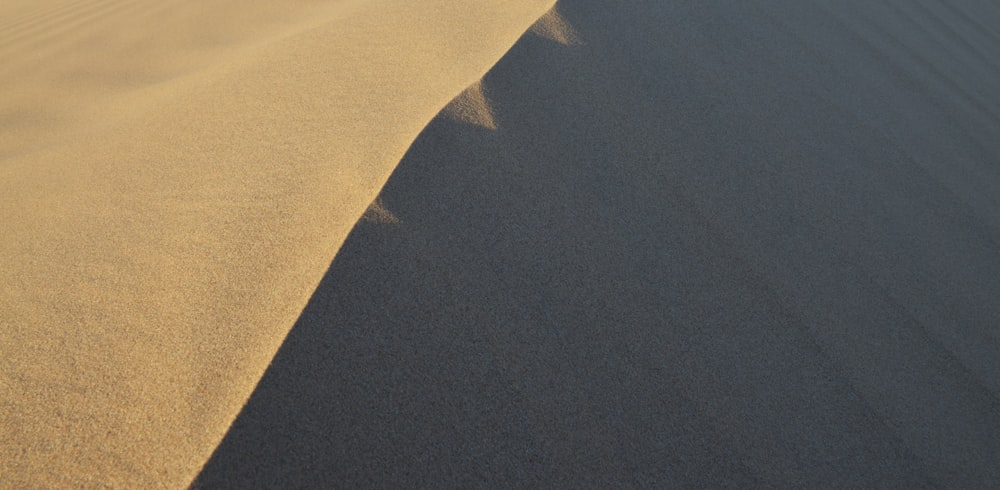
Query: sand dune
{"type": "Point", "coordinates": [670, 245]}
{"type": "Point", "coordinates": [657, 244]}
{"type": "Point", "coordinates": [175, 178]}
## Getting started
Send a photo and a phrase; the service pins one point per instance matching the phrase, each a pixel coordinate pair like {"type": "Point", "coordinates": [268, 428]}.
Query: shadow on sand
{"type": "Point", "coordinates": [685, 257]}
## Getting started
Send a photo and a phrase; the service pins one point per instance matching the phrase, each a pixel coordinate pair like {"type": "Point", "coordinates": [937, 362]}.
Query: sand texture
{"type": "Point", "coordinates": [656, 244]}
{"type": "Point", "coordinates": [175, 179]}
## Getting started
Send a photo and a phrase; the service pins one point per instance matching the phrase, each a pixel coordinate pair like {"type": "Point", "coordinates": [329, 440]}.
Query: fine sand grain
{"type": "Point", "coordinates": [175, 177]}
{"type": "Point", "coordinates": [659, 244]}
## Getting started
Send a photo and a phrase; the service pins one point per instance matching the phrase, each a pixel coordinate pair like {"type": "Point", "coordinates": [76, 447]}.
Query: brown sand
{"type": "Point", "coordinates": [175, 177]}
{"type": "Point", "coordinates": [670, 244]}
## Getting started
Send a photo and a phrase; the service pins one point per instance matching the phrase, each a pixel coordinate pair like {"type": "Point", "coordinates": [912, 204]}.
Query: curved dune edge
{"type": "Point", "coordinates": [159, 243]}
{"type": "Point", "coordinates": [668, 245]}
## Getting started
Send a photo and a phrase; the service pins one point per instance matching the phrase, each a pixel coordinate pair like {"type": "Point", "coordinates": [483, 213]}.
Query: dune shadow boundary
{"type": "Point", "coordinates": [662, 264]}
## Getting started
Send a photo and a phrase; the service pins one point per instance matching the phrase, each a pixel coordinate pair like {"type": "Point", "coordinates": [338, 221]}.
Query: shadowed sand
{"type": "Point", "coordinates": [670, 244]}
{"type": "Point", "coordinates": [660, 244]}
{"type": "Point", "coordinates": [175, 176]}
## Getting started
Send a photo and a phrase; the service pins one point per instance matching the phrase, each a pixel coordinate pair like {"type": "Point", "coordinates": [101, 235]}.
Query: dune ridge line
{"type": "Point", "coordinates": [715, 245]}
{"type": "Point", "coordinates": [160, 241]}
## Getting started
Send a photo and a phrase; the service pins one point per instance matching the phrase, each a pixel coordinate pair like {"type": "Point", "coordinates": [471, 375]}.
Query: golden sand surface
{"type": "Point", "coordinates": [175, 178]}
{"type": "Point", "coordinates": [499, 244]}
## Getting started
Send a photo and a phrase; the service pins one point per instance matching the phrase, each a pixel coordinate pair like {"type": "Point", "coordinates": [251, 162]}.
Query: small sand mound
{"type": "Point", "coordinates": [377, 213]}
{"type": "Point", "coordinates": [472, 107]}
{"type": "Point", "coordinates": [554, 27]}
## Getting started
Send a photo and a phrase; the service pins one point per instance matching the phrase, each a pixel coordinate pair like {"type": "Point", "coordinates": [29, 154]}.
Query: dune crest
{"type": "Point", "coordinates": [174, 179]}
{"type": "Point", "coordinates": [716, 244]}
{"type": "Point", "coordinates": [720, 245]}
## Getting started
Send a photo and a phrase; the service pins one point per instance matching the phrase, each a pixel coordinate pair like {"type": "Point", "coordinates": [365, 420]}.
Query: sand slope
{"type": "Point", "coordinates": [670, 244]}
{"type": "Point", "coordinates": [174, 179]}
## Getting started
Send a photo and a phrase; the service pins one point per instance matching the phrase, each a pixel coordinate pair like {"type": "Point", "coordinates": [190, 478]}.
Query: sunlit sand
{"type": "Point", "coordinates": [499, 243]}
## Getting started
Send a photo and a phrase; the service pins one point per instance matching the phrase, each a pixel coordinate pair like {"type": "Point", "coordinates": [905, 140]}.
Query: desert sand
{"type": "Point", "coordinates": [649, 244]}
{"type": "Point", "coordinates": [176, 178]}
